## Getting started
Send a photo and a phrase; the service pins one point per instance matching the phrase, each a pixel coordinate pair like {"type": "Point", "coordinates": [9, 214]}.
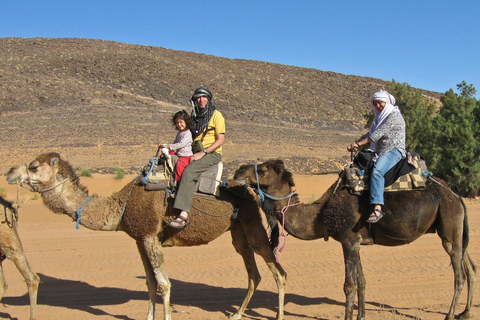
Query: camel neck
{"type": "Point", "coordinates": [96, 213]}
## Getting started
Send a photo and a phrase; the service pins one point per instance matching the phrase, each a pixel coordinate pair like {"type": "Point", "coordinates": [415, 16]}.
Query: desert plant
{"type": "Point", "coordinates": [119, 173]}
{"type": "Point", "coordinates": [85, 173]}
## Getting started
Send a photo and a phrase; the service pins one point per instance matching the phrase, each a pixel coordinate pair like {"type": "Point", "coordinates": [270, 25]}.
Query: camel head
{"type": "Point", "coordinates": [269, 173]}
{"type": "Point", "coordinates": [43, 173]}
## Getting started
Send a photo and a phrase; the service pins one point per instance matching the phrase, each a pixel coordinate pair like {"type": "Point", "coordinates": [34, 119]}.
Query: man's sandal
{"type": "Point", "coordinates": [377, 214]}
{"type": "Point", "coordinates": [179, 223]}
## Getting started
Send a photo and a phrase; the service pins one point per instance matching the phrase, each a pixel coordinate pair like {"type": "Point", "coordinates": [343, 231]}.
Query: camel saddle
{"type": "Point", "coordinates": [405, 175]}
{"type": "Point", "coordinates": [161, 176]}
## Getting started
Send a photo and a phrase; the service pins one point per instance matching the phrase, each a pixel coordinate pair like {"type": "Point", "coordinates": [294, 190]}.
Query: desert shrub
{"type": "Point", "coordinates": [119, 173]}
{"type": "Point", "coordinates": [85, 173]}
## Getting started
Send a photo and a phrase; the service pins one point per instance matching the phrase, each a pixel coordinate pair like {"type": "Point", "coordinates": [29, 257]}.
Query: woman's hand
{"type": "Point", "coordinates": [353, 147]}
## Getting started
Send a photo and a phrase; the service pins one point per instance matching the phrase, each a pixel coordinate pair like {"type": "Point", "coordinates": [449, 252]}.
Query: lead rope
{"type": "Point", "coordinates": [80, 209]}
{"type": "Point", "coordinates": [283, 234]}
{"type": "Point", "coordinates": [429, 175]}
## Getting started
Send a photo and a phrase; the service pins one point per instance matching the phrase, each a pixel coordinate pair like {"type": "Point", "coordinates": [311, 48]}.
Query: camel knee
{"type": "Point", "coordinates": [350, 289]}
{"type": "Point", "coordinates": [33, 282]}
{"type": "Point", "coordinates": [3, 289]}
{"type": "Point", "coordinates": [164, 288]}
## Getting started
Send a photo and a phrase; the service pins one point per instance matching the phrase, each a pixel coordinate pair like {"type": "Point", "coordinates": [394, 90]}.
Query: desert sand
{"type": "Point", "coordinates": [99, 275]}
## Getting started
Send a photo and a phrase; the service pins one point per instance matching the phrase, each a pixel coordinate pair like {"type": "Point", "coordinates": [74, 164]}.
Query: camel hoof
{"type": "Point", "coordinates": [236, 316]}
{"type": "Point", "coordinates": [465, 315]}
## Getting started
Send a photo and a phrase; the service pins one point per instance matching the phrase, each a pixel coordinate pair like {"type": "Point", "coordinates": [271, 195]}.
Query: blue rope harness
{"type": "Point", "coordinates": [153, 162]}
{"type": "Point", "coordinates": [429, 175]}
{"type": "Point", "coordinates": [80, 209]}
{"type": "Point", "coordinates": [263, 194]}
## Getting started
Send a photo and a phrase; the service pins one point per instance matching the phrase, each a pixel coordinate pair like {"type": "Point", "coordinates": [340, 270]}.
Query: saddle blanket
{"type": "Point", "coordinates": [357, 182]}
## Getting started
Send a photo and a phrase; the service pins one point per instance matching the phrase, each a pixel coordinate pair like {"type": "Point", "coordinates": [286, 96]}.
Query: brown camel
{"type": "Point", "coordinates": [142, 215]}
{"type": "Point", "coordinates": [11, 248]}
{"type": "Point", "coordinates": [409, 214]}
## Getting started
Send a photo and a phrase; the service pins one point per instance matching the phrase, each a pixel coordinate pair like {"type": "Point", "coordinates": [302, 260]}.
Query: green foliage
{"type": "Point", "coordinates": [457, 151]}
{"type": "Point", "coordinates": [86, 173]}
{"type": "Point", "coordinates": [448, 138]}
{"type": "Point", "coordinates": [3, 192]}
{"type": "Point", "coordinates": [418, 112]}
{"type": "Point", "coordinates": [119, 173]}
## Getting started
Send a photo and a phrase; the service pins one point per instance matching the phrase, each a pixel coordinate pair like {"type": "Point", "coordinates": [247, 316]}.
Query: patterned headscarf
{"type": "Point", "coordinates": [380, 117]}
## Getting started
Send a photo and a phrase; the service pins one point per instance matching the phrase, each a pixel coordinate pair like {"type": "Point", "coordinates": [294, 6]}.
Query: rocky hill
{"type": "Point", "coordinates": [103, 104]}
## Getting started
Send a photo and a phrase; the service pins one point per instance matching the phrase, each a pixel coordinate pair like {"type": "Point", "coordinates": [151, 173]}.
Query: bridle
{"type": "Point", "coordinates": [262, 194]}
{"type": "Point", "coordinates": [34, 188]}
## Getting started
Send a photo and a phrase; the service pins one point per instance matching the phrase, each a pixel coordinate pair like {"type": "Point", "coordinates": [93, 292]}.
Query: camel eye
{"type": "Point", "coordinates": [33, 167]}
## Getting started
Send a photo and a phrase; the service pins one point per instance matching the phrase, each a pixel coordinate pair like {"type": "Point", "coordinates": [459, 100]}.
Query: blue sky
{"type": "Point", "coordinates": [432, 45]}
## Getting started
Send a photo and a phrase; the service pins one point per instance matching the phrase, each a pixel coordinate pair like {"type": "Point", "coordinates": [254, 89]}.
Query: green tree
{"type": "Point", "coordinates": [418, 112]}
{"type": "Point", "coordinates": [446, 133]}
{"type": "Point", "coordinates": [457, 145]}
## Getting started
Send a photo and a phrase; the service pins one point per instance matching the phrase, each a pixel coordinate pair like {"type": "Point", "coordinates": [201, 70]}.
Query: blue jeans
{"type": "Point", "coordinates": [377, 178]}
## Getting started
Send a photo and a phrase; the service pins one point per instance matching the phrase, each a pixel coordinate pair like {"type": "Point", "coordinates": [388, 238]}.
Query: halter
{"type": "Point", "coordinates": [33, 188]}
{"type": "Point", "coordinates": [263, 194]}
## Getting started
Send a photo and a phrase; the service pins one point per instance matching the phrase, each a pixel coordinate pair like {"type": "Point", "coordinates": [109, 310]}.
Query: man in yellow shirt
{"type": "Point", "coordinates": [208, 127]}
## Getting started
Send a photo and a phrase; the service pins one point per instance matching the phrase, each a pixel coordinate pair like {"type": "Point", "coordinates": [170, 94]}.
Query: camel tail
{"type": "Point", "coordinates": [466, 235]}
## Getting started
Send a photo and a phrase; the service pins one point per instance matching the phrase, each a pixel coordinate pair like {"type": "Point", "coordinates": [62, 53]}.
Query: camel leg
{"type": "Point", "coordinates": [31, 278]}
{"type": "Point", "coordinates": [470, 270]}
{"type": "Point", "coordinates": [244, 248]}
{"type": "Point", "coordinates": [351, 255]}
{"type": "Point", "coordinates": [361, 289]}
{"type": "Point", "coordinates": [455, 253]}
{"type": "Point", "coordinates": [3, 283]}
{"type": "Point", "coordinates": [152, 256]}
{"type": "Point", "coordinates": [241, 246]}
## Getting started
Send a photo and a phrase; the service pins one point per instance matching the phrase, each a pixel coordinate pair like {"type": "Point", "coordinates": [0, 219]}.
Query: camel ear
{"type": "Point", "coordinates": [278, 166]}
{"type": "Point", "coordinates": [54, 162]}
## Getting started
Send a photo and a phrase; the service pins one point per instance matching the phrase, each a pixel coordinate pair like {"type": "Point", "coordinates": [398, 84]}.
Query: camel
{"type": "Point", "coordinates": [142, 215]}
{"type": "Point", "coordinates": [341, 215]}
{"type": "Point", "coordinates": [11, 248]}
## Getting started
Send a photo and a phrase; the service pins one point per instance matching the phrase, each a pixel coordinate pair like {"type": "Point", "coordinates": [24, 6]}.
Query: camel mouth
{"type": "Point", "coordinates": [13, 180]}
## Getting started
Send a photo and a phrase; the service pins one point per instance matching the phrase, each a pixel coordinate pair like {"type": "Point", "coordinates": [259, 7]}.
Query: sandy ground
{"type": "Point", "coordinates": [99, 275]}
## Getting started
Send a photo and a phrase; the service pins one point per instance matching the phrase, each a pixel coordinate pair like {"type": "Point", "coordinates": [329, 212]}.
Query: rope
{"type": "Point", "coordinates": [126, 200]}
{"type": "Point", "coordinates": [80, 209]}
{"type": "Point", "coordinates": [153, 163]}
{"type": "Point", "coordinates": [263, 194]}
{"type": "Point", "coordinates": [283, 234]}
{"type": "Point", "coordinates": [429, 175]}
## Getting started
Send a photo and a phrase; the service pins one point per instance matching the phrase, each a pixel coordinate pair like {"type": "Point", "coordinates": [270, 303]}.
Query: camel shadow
{"type": "Point", "coordinates": [79, 295]}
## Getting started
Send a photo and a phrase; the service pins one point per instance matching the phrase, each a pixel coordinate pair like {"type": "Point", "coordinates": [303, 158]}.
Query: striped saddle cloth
{"type": "Point", "coordinates": [356, 181]}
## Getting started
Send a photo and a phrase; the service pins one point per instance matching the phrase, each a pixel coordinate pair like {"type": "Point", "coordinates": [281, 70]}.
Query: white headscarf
{"type": "Point", "coordinates": [380, 117]}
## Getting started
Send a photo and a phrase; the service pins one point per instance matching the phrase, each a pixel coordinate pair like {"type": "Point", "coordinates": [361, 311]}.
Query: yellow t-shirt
{"type": "Point", "coordinates": [217, 122]}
